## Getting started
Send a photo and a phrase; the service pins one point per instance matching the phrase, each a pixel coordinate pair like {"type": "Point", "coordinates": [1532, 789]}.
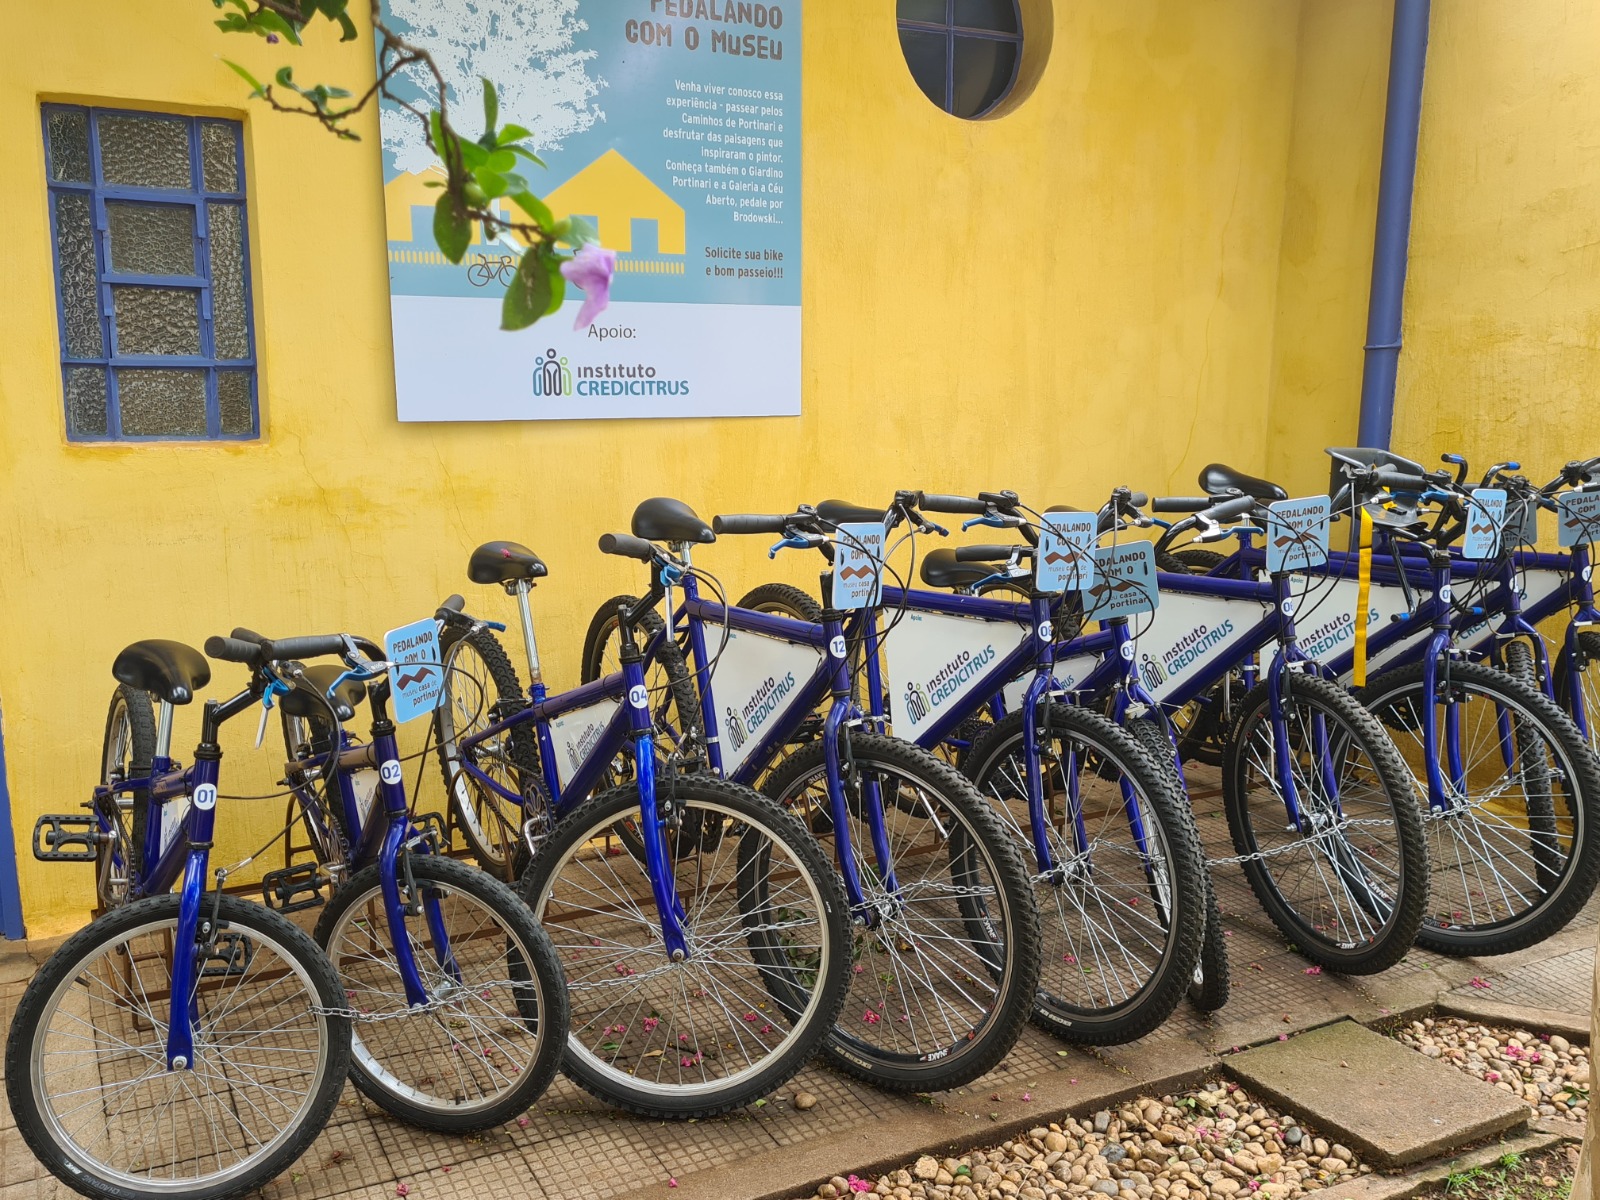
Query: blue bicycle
{"type": "Point", "coordinates": [702, 933]}
{"type": "Point", "coordinates": [185, 1044]}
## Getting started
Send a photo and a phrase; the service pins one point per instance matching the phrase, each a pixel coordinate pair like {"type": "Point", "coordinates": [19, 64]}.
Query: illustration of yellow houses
{"type": "Point", "coordinates": [611, 191]}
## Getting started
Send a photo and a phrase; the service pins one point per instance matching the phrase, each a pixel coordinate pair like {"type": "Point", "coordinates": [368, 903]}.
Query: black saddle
{"type": "Point", "coordinates": [842, 512]}
{"type": "Point", "coordinates": [666, 520]}
{"type": "Point", "coordinates": [301, 703]}
{"type": "Point", "coordinates": [169, 671]}
{"type": "Point", "coordinates": [941, 570]}
{"type": "Point", "coordinates": [504, 562]}
{"type": "Point", "coordinates": [1218, 478]}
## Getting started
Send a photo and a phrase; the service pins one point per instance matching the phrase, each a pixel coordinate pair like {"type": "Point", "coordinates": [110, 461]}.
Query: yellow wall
{"type": "Point", "coordinates": [1502, 328]}
{"type": "Point", "coordinates": [1066, 297]}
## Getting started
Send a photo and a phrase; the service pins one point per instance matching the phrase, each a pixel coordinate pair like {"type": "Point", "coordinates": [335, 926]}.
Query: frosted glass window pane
{"type": "Point", "coordinates": [233, 398]}
{"type": "Point", "coordinates": [156, 320]}
{"type": "Point", "coordinates": [157, 403]}
{"type": "Point", "coordinates": [998, 15]}
{"type": "Point", "coordinates": [230, 327]}
{"type": "Point", "coordinates": [151, 239]}
{"type": "Point", "coordinates": [983, 73]}
{"type": "Point", "coordinates": [925, 55]}
{"type": "Point", "coordinates": [69, 146]}
{"type": "Point", "coordinates": [144, 151]}
{"type": "Point", "coordinates": [76, 275]}
{"type": "Point", "coordinates": [219, 158]}
{"type": "Point", "coordinates": [933, 11]}
{"type": "Point", "coordinates": [86, 401]}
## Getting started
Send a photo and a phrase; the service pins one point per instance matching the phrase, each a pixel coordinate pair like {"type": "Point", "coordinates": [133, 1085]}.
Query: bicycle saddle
{"type": "Point", "coordinates": [301, 703]}
{"type": "Point", "coordinates": [504, 562]}
{"type": "Point", "coordinates": [169, 671]}
{"type": "Point", "coordinates": [666, 520]}
{"type": "Point", "coordinates": [1216, 479]}
{"type": "Point", "coordinates": [941, 570]}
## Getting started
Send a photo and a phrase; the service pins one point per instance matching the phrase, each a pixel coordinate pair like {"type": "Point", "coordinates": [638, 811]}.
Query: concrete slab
{"type": "Point", "coordinates": [1386, 1102]}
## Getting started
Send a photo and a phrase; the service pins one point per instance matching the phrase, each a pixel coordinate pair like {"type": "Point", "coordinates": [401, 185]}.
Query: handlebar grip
{"type": "Point", "coordinates": [454, 604]}
{"type": "Point", "coordinates": [227, 649]}
{"type": "Point", "coordinates": [1138, 499]}
{"type": "Point", "coordinates": [953, 504]}
{"type": "Point", "coordinates": [1229, 509]}
{"type": "Point", "coordinates": [625, 545]}
{"type": "Point", "coordinates": [994, 554]}
{"type": "Point", "coordinates": [314, 645]}
{"type": "Point", "coordinates": [737, 523]}
{"type": "Point", "coordinates": [1403, 481]}
{"type": "Point", "coordinates": [1189, 504]}
{"type": "Point", "coordinates": [240, 633]}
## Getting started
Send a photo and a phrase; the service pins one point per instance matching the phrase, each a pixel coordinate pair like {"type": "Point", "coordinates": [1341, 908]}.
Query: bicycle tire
{"type": "Point", "coordinates": [782, 599]}
{"type": "Point", "coordinates": [1589, 682]}
{"type": "Point", "coordinates": [1564, 853]}
{"type": "Point", "coordinates": [128, 746]}
{"type": "Point", "coordinates": [149, 924]}
{"type": "Point", "coordinates": [598, 954]}
{"type": "Point", "coordinates": [1002, 936]}
{"type": "Point", "coordinates": [1189, 562]}
{"type": "Point", "coordinates": [492, 832]}
{"type": "Point", "coordinates": [397, 1078]}
{"type": "Point", "coordinates": [1351, 944]}
{"type": "Point", "coordinates": [1075, 999]}
{"type": "Point", "coordinates": [1211, 984]}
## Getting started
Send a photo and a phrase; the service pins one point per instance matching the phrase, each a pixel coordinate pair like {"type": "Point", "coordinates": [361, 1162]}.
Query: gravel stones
{"type": "Point", "coordinates": [1172, 1148]}
{"type": "Point", "coordinates": [1549, 1074]}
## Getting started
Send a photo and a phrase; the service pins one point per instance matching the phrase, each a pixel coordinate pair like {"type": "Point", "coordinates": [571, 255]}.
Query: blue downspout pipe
{"type": "Point", "coordinates": [1408, 53]}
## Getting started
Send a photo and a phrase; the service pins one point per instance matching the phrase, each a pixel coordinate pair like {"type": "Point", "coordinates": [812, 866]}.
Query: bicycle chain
{"type": "Point", "coordinates": [419, 1010]}
{"type": "Point", "coordinates": [1320, 835]}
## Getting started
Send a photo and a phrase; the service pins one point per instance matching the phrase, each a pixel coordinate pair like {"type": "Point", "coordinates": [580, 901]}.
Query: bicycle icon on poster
{"type": "Point", "coordinates": [486, 269]}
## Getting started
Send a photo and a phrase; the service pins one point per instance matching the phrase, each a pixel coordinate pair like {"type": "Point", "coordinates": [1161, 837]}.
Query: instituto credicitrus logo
{"type": "Point", "coordinates": [551, 375]}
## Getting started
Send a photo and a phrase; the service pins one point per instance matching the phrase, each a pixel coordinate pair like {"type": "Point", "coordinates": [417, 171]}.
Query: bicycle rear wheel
{"type": "Point", "coordinates": [490, 1040]}
{"type": "Point", "coordinates": [480, 678]}
{"type": "Point", "coordinates": [86, 1071]}
{"type": "Point", "coordinates": [1348, 883]}
{"type": "Point", "coordinates": [942, 982]}
{"type": "Point", "coordinates": [1516, 854]}
{"type": "Point", "coordinates": [713, 1032]}
{"type": "Point", "coordinates": [129, 745]}
{"type": "Point", "coordinates": [1123, 910]}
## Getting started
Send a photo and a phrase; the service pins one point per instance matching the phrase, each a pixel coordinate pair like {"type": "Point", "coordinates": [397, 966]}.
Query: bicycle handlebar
{"type": "Point", "coordinates": [625, 545]}
{"type": "Point", "coordinates": [227, 649]}
{"type": "Point", "coordinates": [1181, 504]}
{"type": "Point", "coordinates": [960, 505]}
{"type": "Point", "coordinates": [742, 523]}
{"type": "Point", "coordinates": [991, 553]}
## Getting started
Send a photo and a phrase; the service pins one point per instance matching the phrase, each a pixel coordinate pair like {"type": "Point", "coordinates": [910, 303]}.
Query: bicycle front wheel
{"type": "Point", "coordinates": [1123, 905]}
{"type": "Point", "coordinates": [1325, 817]}
{"type": "Point", "coordinates": [944, 972]}
{"type": "Point", "coordinates": [728, 1023]}
{"type": "Point", "coordinates": [489, 1040]}
{"type": "Point", "coordinates": [1515, 850]}
{"type": "Point", "coordinates": [86, 1071]}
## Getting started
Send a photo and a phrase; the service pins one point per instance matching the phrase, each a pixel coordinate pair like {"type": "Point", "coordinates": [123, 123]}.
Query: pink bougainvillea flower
{"type": "Point", "coordinates": [650, 1023]}
{"type": "Point", "coordinates": [591, 270]}
{"type": "Point", "coordinates": [1027, 1095]}
{"type": "Point", "coordinates": [671, 1182]}
{"type": "Point", "coordinates": [870, 1017]}
{"type": "Point", "coordinates": [1313, 970]}
{"type": "Point", "coordinates": [765, 1029]}
{"type": "Point", "coordinates": [1283, 1037]}
{"type": "Point", "coordinates": [859, 1185]}
{"type": "Point", "coordinates": [522, 1122]}
{"type": "Point", "coordinates": [1478, 981]}
{"type": "Point", "coordinates": [1069, 958]}
{"type": "Point", "coordinates": [750, 1016]}
{"type": "Point", "coordinates": [1072, 1081]}
{"type": "Point", "coordinates": [402, 1189]}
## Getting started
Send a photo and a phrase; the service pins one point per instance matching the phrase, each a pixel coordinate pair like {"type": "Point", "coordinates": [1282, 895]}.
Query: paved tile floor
{"type": "Point", "coordinates": [575, 1146]}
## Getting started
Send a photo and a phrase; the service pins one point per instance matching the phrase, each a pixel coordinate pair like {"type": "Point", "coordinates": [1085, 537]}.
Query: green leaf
{"type": "Point", "coordinates": [499, 160]}
{"type": "Point", "coordinates": [452, 228]}
{"type": "Point", "coordinates": [233, 23]}
{"type": "Point", "coordinates": [526, 153]}
{"type": "Point", "coordinates": [336, 93]}
{"type": "Point", "coordinates": [491, 107]}
{"type": "Point", "coordinates": [512, 133]}
{"type": "Point", "coordinates": [528, 297]}
{"type": "Point", "coordinates": [558, 283]}
{"type": "Point", "coordinates": [266, 21]}
{"type": "Point", "coordinates": [576, 232]}
{"type": "Point", "coordinates": [285, 76]}
{"type": "Point", "coordinates": [255, 84]}
{"type": "Point", "coordinates": [347, 28]}
{"type": "Point", "coordinates": [492, 183]}
{"type": "Point", "coordinates": [333, 9]}
{"type": "Point", "coordinates": [535, 208]}
{"type": "Point", "coordinates": [473, 155]}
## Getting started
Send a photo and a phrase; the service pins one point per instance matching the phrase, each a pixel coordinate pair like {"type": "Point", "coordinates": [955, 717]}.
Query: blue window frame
{"type": "Point", "coordinates": [963, 54]}
{"type": "Point", "coordinates": [152, 254]}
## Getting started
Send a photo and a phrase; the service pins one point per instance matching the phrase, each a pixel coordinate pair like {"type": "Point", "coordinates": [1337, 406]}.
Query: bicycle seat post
{"type": "Point", "coordinates": [529, 642]}
{"type": "Point", "coordinates": [163, 751]}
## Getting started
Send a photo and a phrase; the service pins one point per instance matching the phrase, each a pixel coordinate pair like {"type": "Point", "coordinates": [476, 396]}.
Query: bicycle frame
{"type": "Point", "coordinates": [629, 724]}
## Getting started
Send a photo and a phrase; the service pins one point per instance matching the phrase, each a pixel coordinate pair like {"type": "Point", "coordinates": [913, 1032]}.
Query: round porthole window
{"type": "Point", "coordinates": [964, 54]}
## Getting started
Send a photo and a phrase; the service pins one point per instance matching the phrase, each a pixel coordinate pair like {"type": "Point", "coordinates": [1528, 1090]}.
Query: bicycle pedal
{"type": "Point", "coordinates": [431, 825]}
{"type": "Point", "coordinates": [293, 889]}
{"type": "Point", "coordinates": [67, 838]}
{"type": "Point", "coordinates": [229, 955]}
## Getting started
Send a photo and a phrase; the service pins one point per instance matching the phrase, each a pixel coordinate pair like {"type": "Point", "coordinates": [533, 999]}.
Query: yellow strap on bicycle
{"type": "Point", "coordinates": [1363, 594]}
